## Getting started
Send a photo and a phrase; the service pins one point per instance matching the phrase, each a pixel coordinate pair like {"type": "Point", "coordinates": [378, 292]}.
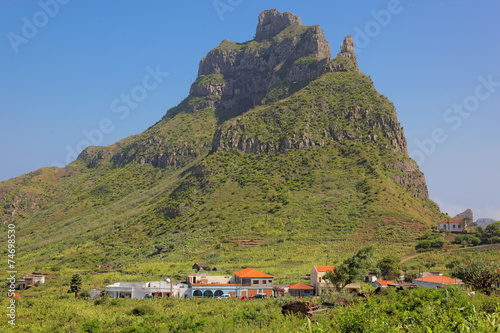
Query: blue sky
{"type": "Point", "coordinates": [65, 62]}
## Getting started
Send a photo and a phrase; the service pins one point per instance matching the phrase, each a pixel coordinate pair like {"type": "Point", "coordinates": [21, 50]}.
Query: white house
{"type": "Point", "coordinates": [143, 290]}
{"type": "Point", "coordinates": [40, 279]}
{"type": "Point", "coordinates": [436, 281]}
{"type": "Point", "coordinates": [455, 226]}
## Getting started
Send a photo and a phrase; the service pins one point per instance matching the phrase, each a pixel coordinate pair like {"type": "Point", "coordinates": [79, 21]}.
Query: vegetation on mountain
{"type": "Point", "coordinates": [279, 155]}
{"type": "Point", "coordinates": [429, 241]}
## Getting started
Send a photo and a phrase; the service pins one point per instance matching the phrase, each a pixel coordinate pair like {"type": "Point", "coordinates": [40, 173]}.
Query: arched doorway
{"type": "Point", "coordinates": [208, 293]}
{"type": "Point", "coordinates": [197, 293]}
{"type": "Point", "coordinates": [218, 293]}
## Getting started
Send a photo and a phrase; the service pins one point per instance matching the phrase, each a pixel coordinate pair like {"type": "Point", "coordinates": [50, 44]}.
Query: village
{"type": "Point", "coordinates": [247, 283]}
{"type": "Point", "coordinates": [250, 283]}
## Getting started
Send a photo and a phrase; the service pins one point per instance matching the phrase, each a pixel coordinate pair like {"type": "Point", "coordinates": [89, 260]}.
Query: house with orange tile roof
{"type": "Point", "coordinates": [317, 279]}
{"type": "Point", "coordinates": [454, 226]}
{"type": "Point", "coordinates": [300, 290]}
{"type": "Point", "coordinates": [255, 282]}
{"type": "Point", "coordinates": [436, 281]}
{"type": "Point", "coordinates": [321, 285]}
{"type": "Point", "coordinates": [383, 283]}
{"type": "Point", "coordinates": [245, 283]}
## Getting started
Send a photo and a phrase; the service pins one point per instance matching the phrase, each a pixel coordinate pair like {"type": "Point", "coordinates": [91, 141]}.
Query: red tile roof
{"type": "Point", "coordinates": [438, 279]}
{"type": "Point", "coordinates": [251, 273]}
{"type": "Point", "coordinates": [385, 282]}
{"type": "Point", "coordinates": [324, 268]}
{"type": "Point", "coordinates": [300, 285]}
{"type": "Point", "coordinates": [452, 221]}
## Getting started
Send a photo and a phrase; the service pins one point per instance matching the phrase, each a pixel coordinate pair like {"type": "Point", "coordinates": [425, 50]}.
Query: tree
{"type": "Point", "coordinates": [389, 267]}
{"type": "Point", "coordinates": [351, 269]}
{"type": "Point", "coordinates": [76, 284]}
{"type": "Point", "coordinates": [491, 234]}
{"type": "Point", "coordinates": [480, 274]}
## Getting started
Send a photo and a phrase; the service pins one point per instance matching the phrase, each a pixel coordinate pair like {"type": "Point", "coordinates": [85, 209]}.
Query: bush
{"type": "Point", "coordinates": [467, 240]}
{"type": "Point", "coordinates": [91, 326]}
{"type": "Point", "coordinates": [430, 244]}
{"type": "Point", "coordinates": [103, 298]}
{"type": "Point", "coordinates": [142, 310]}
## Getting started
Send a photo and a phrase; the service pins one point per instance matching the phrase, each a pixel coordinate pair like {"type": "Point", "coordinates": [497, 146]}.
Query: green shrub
{"type": "Point", "coordinates": [91, 325]}
{"type": "Point", "coordinates": [142, 310]}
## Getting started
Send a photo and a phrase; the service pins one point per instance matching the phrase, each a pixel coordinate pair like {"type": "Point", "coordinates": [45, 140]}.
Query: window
{"type": "Point", "coordinates": [263, 281]}
{"type": "Point", "coordinates": [255, 281]}
{"type": "Point", "coordinates": [270, 281]}
{"type": "Point", "coordinates": [319, 279]}
{"type": "Point", "coordinates": [453, 226]}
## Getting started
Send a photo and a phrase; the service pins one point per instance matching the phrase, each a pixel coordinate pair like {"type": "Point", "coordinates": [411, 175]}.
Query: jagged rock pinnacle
{"type": "Point", "coordinates": [272, 22]}
{"type": "Point", "coordinates": [347, 49]}
{"type": "Point", "coordinates": [347, 45]}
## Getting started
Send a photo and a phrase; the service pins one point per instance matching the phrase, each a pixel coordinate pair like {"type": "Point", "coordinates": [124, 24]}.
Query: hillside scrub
{"type": "Point", "coordinates": [419, 310]}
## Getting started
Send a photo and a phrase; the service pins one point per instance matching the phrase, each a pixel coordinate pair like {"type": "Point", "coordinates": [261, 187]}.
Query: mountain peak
{"type": "Point", "coordinates": [271, 22]}
{"type": "Point", "coordinates": [465, 215]}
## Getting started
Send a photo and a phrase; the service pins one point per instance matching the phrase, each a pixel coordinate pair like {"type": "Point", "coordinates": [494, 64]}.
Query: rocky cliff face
{"type": "Point", "coordinates": [271, 22]}
{"type": "Point", "coordinates": [283, 52]}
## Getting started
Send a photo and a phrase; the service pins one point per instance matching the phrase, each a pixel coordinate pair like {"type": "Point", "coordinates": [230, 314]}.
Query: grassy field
{"type": "Point", "coordinates": [421, 310]}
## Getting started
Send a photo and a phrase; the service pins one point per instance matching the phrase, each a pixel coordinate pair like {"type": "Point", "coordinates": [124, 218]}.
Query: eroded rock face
{"type": "Point", "coordinates": [283, 52]}
{"type": "Point", "coordinates": [272, 22]}
{"type": "Point", "coordinates": [347, 49]}
{"type": "Point", "coordinates": [411, 178]}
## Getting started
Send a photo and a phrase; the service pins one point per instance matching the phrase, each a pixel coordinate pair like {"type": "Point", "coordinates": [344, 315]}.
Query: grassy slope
{"type": "Point", "coordinates": [295, 208]}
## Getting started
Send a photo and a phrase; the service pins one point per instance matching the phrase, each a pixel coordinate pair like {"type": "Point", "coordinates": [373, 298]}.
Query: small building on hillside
{"type": "Point", "coordinates": [38, 279]}
{"type": "Point", "coordinates": [28, 281]}
{"type": "Point", "coordinates": [300, 290]}
{"type": "Point", "coordinates": [318, 281]}
{"type": "Point", "coordinates": [455, 226]}
{"type": "Point", "coordinates": [321, 285]}
{"type": "Point", "coordinates": [436, 281]}
{"type": "Point", "coordinates": [383, 283]}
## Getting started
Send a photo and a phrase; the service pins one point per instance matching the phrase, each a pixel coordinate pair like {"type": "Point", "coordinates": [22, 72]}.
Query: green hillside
{"type": "Point", "coordinates": [297, 172]}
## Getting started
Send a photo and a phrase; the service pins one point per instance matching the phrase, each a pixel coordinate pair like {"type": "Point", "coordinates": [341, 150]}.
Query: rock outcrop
{"type": "Point", "coordinates": [271, 22]}
{"type": "Point", "coordinates": [465, 215]}
{"type": "Point", "coordinates": [283, 52]}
